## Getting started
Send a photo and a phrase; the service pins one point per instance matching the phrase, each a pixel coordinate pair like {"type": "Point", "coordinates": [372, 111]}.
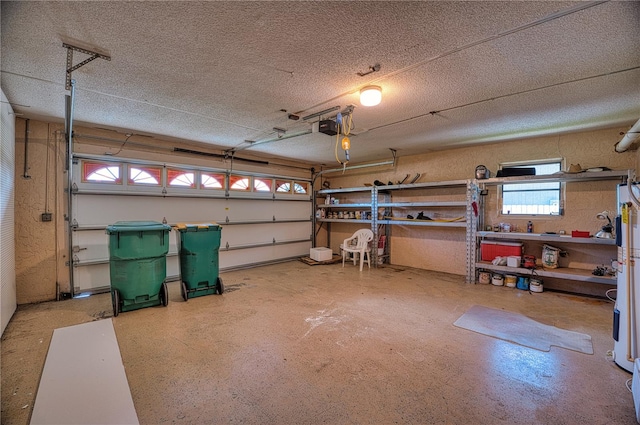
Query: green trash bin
{"type": "Point", "coordinates": [138, 264]}
{"type": "Point", "coordinates": [199, 267]}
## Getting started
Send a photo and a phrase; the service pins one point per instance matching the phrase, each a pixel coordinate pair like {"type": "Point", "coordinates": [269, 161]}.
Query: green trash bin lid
{"type": "Point", "coordinates": [202, 227]}
{"type": "Point", "coordinates": [136, 226]}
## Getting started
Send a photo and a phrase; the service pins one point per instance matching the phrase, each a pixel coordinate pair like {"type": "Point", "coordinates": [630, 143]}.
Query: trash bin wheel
{"type": "Point", "coordinates": [164, 294]}
{"type": "Point", "coordinates": [219, 286]}
{"type": "Point", "coordinates": [183, 290]}
{"type": "Point", "coordinates": [115, 302]}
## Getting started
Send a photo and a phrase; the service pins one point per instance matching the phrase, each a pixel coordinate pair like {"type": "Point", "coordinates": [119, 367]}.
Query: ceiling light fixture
{"type": "Point", "coordinates": [370, 95]}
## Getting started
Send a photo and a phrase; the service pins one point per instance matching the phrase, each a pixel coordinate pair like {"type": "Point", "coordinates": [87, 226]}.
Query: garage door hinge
{"type": "Point", "coordinates": [227, 246]}
{"type": "Point", "coordinates": [226, 220]}
{"type": "Point", "coordinates": [74, 224]}
{"type": "Point", "coordinates": [74, 188]}
{"type": "Point", "coordinates": [274, 218]}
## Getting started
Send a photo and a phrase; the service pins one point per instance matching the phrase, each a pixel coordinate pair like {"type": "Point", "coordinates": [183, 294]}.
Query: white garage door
{"type": "Point", "coordinates": [263, 218]}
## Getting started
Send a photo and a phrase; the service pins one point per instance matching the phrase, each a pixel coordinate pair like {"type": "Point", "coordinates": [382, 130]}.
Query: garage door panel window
{"type": "Point", "coordinates": [300, 188]}
{"type": "Point", "coordinates": [288, 186]}
{"type": "Point", "coordinates": [240, 183]}
{"type": "Point", "coordinates": [260, 184]}
{"type": "Point", "coordinates": [148, 176]}
{"type": "Point", "coordinates": [284, 186]}
{"type": "Point", "coordinates": [533, 198]}
{"type": "Point", "coordinates": [212, 180]}
{"type": "Point", "coordinates": [101, 172]}
{"type": "Point", "coordinates": [181, 178]}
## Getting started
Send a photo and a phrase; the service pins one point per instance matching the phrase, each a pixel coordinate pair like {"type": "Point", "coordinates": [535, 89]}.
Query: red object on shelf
{"type": "Point", "coordinates": [489, 250]}
{"type": "Point", "coordinates": [579, 234]}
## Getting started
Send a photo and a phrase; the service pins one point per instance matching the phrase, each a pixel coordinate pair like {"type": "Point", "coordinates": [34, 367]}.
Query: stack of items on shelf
{"type": "Point", "coordinates": [509, 254]}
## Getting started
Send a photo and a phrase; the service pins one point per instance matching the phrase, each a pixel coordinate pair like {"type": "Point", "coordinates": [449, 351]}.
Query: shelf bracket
{"type": "Point", "coordinates": [71, 67]}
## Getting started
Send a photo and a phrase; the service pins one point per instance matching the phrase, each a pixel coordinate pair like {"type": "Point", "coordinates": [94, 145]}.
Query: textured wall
{"type": "Point", "coordinates": [36, 241]}
{"type": "Point", "coordinates": [444, 249]}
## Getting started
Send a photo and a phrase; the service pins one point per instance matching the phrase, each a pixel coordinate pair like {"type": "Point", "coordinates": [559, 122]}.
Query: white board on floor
{"type": "Point", "coordinates": [83, 380]}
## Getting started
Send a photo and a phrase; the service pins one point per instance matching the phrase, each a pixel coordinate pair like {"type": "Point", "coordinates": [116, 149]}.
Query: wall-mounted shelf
{"type": "Point", "coordinates": [544, 237]}
{"type": "Point", "coordinates": [367, 205]}
{"type": "Point", "coordinates": [559, 177]}
{"type": "Point", "coordinates": [580, 275]}
{"type": "Point", "coordinates": [426, 223]}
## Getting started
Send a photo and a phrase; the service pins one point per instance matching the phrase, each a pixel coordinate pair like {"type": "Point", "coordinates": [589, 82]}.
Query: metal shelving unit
{"type": "Point", "coordinates": [381, 197]}
{"type": "Point", "coordinates": [575, 274]}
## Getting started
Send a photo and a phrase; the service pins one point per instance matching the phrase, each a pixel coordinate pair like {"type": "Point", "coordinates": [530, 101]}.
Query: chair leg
{"type": "Point", "coordinates": [344, 254]}
{"type": "Point", "coordinates": [368, 254]}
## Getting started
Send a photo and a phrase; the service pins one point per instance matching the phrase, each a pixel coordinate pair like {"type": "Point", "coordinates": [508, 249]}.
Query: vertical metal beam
{"type": "Point", "coordinates": [69, 103]}
{"type": "Point", "coordinates": [373, 255]}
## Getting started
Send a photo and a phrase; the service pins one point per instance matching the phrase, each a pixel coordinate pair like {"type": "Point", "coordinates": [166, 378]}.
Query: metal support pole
{"type": "Point", "coordinates": [69, 102]}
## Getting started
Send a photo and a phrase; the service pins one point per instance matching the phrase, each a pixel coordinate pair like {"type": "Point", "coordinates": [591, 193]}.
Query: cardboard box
{"type": "Point", "coordinates": [513, 261]}
{"type": "Point", "coordinates": [489, 250]}
{"type": "Point", "coordinates": [321, 254]}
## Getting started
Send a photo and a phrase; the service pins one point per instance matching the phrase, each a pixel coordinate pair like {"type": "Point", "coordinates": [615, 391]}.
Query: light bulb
{"type": "Point", "coordinates": [370, 96]}
{"type": "Point", "coordinates": [346, 144]}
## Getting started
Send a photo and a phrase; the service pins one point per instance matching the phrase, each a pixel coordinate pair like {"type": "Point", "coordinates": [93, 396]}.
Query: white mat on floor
{"type": "Point", "coordinates": [514, 327]}
{"type": "Point", "coordinates": [83, 380]}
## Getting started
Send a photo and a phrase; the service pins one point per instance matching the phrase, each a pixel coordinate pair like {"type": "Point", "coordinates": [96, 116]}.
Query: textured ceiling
{"type": "Point", "coordinates": [221, 73]}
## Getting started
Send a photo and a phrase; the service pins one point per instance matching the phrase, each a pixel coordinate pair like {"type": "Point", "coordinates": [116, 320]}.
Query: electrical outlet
{"type": "Point", "coordinates": [46, 217]}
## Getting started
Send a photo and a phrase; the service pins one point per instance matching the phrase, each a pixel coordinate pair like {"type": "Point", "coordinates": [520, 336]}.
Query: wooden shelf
{"type": "Point", "coordinates": [422, 204]}
{"type": "Point", "coordinates": [543, 237]}
{"type": "Point", "coordinates": [560, 273]}
{"type": "Point", "coordinates": [344, 206]}
{"type": "Point", "coordinates": [559, 177]}
{"type": "Point", "coordinates": [426, 223]}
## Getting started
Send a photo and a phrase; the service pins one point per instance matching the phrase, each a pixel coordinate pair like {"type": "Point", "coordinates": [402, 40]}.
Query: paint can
{"type": "Point", "coordinates": [529, 262]}
{"type": "Point", "coordinates": [497, 279]}
{"type": "Point", "coordinates": [523, 283]}
{"type": "Point", "coordinates": [510, 280]}
{"type": "Point", "coordinates": [484, 277]}
{"type": "Point", "coordinates": [535, 285]}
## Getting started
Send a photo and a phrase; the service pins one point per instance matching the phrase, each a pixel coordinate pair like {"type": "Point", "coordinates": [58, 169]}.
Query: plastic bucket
{"type": "Point", "coordinates": [497, 280]}
{"type": "Point", "coordinates": [535, 285]}
{"type": "Point", "coordinates": [484, 277]}
{"type": "Point", "coordinates": [510, 280]}
{"type": "Point", "coordinates": [523, 283]}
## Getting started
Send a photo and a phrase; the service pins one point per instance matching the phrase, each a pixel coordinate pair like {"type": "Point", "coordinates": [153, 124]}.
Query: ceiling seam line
{"type": "Point", "coordinates": [523, 27]}
{"type": "Point", "coordinates": [504, 96]}
{"type": "Point", "coordinates": [136, 101]}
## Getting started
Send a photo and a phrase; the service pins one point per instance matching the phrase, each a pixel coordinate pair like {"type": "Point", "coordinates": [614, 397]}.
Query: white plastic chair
{"type": "Point", "coordinates": [358, 244]}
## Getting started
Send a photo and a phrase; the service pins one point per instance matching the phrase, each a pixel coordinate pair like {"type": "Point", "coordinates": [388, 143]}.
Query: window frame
{"type": "Point", "coordinates": [156, 173]}
{"type": "Point", "coordinates": [234, 178]}
{"type": "Point", "coordinates": [98, 165]}
{"type": "Point", "coordinates": [181, 172]}
{"type": "Point", "coordinates": [219, 176]}
{"type": "Point", "coordinates": [532, 163]}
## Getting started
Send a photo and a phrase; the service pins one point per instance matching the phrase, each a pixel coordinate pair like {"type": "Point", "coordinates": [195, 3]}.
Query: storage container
{"type": "Point", "coordinates": [321, 254]}
{"type": "Point", "coordinates": [510, 280]}
{"type": "Point", "coordinates": [138, 264]}
{"type": "Point", "coordinates": [579, 234]}
{"type": "Point", "coordinates": [513, 261]}
{"type": "Point", "coordinates": [198, 247]}
{"type": "Point", "coordinates": [492, 249]}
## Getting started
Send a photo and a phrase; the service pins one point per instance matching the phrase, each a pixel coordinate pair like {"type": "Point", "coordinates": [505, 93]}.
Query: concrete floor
{"type": "Point", "coordinates": [298, 344]}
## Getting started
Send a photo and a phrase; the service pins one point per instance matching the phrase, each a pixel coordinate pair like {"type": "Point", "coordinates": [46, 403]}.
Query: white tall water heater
{"type": "Point", "coordinates": [626, 323]}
